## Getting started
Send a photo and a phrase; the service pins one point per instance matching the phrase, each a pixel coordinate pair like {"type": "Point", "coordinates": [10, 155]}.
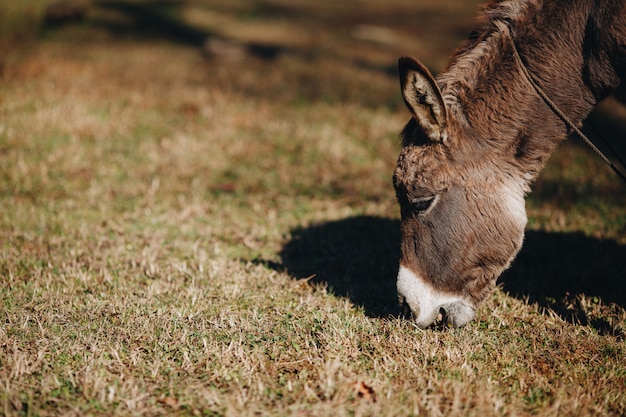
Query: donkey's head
{"type": "Point", "coordinates": [463, 218]}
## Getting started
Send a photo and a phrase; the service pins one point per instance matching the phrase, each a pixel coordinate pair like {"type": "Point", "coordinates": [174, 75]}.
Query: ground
{"type": "Point", "coordinates": [197, 218]}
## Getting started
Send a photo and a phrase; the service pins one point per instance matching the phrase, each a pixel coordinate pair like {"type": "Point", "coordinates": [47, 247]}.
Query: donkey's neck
{"type": "Point", "coordinates": [485, 89]}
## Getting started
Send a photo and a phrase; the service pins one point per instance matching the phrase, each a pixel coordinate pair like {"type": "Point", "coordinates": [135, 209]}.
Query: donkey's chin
{"type": "Point", "coordinates": [428, 305]}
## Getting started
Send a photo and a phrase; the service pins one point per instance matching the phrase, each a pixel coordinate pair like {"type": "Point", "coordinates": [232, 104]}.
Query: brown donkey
{"type": "Point", "coordinates": [480, 133]}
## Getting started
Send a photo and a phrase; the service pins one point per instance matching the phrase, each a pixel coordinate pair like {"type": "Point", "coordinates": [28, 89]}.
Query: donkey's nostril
{"type": "Point", "coordinates": [456, 314]}
{"type": "Point", "coordinates": [442, 317]}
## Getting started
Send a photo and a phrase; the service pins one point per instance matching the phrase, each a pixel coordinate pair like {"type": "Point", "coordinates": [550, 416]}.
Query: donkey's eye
{"type": "Point", "coordinates": [422, 204]}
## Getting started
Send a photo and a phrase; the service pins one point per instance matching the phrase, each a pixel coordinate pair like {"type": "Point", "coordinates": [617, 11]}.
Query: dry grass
{"type": "Point", "coordinates": [190, 234]}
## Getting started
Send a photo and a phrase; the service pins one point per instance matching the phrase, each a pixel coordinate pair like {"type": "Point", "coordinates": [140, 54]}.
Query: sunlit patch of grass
{"type": "Point", "coordinates": [186, 235]}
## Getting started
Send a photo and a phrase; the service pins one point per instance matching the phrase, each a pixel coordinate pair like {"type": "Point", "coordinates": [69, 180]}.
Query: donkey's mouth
{"type": "Point", "coordinates": [456, 314]}
{"type": "Point", "coordinates": [405, 308]}
{"type": "Point", "coordinates": [426, 305]}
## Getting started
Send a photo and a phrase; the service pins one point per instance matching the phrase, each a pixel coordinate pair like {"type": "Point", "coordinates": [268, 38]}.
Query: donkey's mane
{"type": "Point", "coordinates": [487, 40]}
{"type": "Point", "coordinates": [493, 14]}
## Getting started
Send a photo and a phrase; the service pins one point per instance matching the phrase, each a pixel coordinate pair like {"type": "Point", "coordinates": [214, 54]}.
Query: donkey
{"type": "Point", "coordinates": [479, 134]}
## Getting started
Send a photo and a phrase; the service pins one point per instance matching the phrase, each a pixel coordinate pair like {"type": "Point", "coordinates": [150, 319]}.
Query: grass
{"type": "Point", "coordinates": [193, 232]}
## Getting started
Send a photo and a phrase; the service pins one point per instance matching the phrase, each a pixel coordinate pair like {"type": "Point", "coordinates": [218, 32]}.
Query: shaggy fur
{"type": "Point", "coordinates": [488, 134]}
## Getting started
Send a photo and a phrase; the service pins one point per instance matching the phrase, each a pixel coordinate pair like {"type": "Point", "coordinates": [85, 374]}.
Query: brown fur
{"type": "Point", "coordinates": [496, 132]}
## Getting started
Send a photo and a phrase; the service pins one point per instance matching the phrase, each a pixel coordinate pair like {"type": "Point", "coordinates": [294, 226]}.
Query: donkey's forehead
{"type": "Point", "coordinates": [426, 166]}
{"type": "Point", "coordinates": [429, 154]}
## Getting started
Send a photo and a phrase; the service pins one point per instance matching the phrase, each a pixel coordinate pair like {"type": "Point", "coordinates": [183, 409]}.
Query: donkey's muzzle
{"type": "Point", "coordinates": [427, 305]}
{"type": "Point", "coordinates": [456, 314]}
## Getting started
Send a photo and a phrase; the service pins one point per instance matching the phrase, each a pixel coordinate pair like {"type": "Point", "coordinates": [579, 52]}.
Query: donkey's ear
{"type": "Point", "coordinates": [423, 97]}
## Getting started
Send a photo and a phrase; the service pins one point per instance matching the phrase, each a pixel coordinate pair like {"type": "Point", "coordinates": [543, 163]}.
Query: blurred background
{"type": "Point", "coordinates": [300, 50]}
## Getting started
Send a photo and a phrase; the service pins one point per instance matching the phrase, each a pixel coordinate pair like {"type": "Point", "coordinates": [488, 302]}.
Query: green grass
{"type": "Point", "coordinates": [190, 234]}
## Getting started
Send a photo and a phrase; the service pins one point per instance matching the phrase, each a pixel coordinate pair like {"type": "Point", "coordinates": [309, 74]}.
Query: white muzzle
{"type": "Point", "coordinates": [427, 303]}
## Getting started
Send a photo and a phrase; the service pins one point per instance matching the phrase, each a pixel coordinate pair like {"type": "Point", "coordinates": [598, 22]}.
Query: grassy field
{"type": "Point", "coordinates": [197, 218]}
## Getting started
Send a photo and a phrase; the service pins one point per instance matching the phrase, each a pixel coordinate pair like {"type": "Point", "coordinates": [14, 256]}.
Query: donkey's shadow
{"type": "Point", "coordinates": [554, 269]}
{"type": "Point", "coordinates": [357, 258]}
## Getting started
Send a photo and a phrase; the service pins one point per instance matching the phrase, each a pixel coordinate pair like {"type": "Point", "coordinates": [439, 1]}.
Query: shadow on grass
{"type": "Point", "coordinates": [357, 258]}
{"type": "Point", "coordinates": [554, 269]}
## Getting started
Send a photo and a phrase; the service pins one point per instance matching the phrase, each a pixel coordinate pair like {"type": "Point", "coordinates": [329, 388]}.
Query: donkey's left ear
{"type": "Point", "coordinates": [423, 97]}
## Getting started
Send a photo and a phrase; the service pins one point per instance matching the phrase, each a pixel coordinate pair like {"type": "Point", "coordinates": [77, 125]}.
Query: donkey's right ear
{"type": "Point", "coordinates": [423, 97]}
